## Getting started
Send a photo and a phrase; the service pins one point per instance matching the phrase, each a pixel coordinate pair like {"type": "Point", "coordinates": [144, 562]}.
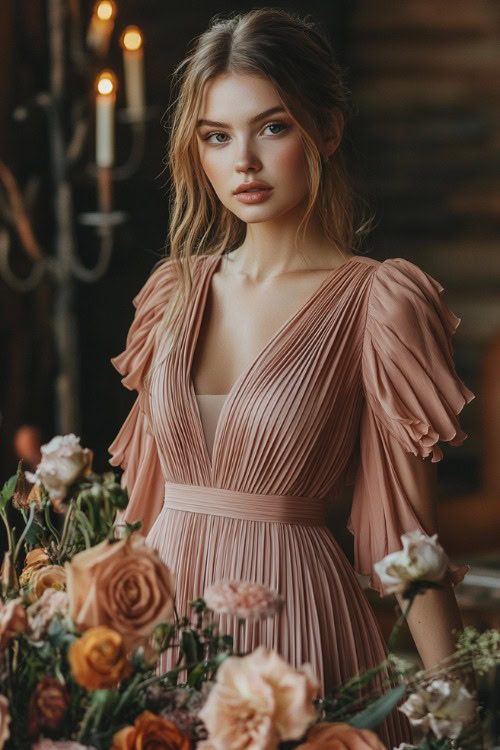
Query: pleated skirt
{"type": "Point", "coordinates": [327, 620]}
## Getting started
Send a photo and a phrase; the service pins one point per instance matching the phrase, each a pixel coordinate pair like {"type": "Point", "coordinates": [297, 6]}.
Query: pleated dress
{"type": "Point", "coordinates": [358, 386]}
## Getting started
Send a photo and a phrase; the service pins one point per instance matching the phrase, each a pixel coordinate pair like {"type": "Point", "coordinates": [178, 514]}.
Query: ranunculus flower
{"type": "Point", "coordinates": [258, 700]}
{"type": "Point", "coordinates": [123, 585]}
{"type": "Point", "coordinates": [5, 720]}
{"type": "Point", "coordinates": [243, 599]}
{"type": "Point", "coordinates": [98, 659]}
{"type": "Point", "coordinates": [422, 558]}
{"type": "Point", "coordinates": [63, 462]}
{"type": "Point", "coordinates": [47, 744]}
{"type": "Point", "coordinates": [47, 706]}
{"type": "Point", "coordinates": [444, 706]}
{"type": "Point", "coordinates": [43, 610]}
{"type": "Point", "coordinates": [35, 559]}
{"type": "Point", "coordinates": [326, 735]}
{"type": "Point", "coordinates": [47, 577]}
{"type": "Point", "coordinates": [151, 731]}
{"type": "Point", "coordinates": [13, 621]}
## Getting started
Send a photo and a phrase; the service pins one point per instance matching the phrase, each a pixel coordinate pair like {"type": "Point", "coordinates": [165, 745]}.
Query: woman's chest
{"type": "Point", "coordinates": [297, 401]}
{"type": "Point", "coordinates": [238, 319]}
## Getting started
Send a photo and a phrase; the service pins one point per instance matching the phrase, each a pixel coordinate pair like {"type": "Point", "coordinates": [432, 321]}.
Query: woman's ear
{"type": "Point", "coordinates": [336, 131]}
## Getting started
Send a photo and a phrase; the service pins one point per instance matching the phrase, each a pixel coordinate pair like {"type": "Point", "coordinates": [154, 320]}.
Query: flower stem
{"type": "Point", "coordinates": [50, 525]}
{"type": "Point", "coordinates": [26, 529]}
{"type": "Point", "coordinates": [397, 627]}
{"type": "Point", "coordinates": [65, 532]}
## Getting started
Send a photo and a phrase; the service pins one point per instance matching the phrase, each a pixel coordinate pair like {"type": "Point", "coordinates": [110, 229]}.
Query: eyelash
{"type": "Point", "coordinates": [269, 124]}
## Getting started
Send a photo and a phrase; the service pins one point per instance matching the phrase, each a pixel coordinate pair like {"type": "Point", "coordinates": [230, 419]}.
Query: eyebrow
{"type": "Point", "coordinates": [252, 120]}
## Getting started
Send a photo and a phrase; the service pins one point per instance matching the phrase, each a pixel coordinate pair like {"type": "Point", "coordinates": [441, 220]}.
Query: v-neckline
{"type": "Point", "coordinates": [198, 312]}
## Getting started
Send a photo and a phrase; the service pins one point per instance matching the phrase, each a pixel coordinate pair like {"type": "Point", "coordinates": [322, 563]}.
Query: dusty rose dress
{"type": "Point", "coordinates": [358, 385]}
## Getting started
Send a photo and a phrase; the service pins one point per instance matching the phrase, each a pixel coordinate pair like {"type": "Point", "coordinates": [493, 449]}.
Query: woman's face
{"type": "Point", "coordinates": [244, 142]}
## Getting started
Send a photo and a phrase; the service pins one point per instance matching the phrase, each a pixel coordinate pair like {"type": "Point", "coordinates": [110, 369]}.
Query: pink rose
{"type": "Point", "coordinates": [243, 599]}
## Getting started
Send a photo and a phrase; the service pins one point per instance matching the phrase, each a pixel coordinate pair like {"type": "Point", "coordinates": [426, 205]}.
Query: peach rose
{"type": "Point", "coordinates": [48, 577]}
{"type": "Point", "coordinates": [5, 720]}
{"type": "Point", "coordinates": [98, 659]}
{"type": "Point", "coordinates": [35, 559]}
{"type": "Point", "coordinates": [151, 732]}
{"type": "Point", "coordinates": [259, 700]}
{"type": "Point", "coordinates": [123, 585]}
{"type": "Point", "coordinates": [48, 706]}
{"type": "Point", "coordinates": [327, 735]}
{"type": "Point", "coordinates": [13, 621]}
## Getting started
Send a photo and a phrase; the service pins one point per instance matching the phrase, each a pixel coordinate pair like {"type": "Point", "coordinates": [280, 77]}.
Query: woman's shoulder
{"type": "Point", "coordinates": [403, 291]}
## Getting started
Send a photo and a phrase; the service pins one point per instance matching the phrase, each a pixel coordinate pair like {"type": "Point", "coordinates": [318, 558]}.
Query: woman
{"type": "Point", "coordinates": [274, 365]}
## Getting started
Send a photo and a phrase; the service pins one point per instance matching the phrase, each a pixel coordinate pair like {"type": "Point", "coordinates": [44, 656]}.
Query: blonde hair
{"type": "Point", "coordinates": [295, 55]}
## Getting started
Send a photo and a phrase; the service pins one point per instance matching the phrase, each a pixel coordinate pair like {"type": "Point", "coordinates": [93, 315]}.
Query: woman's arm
{"type": "Point", "coordinates": [432, 617]}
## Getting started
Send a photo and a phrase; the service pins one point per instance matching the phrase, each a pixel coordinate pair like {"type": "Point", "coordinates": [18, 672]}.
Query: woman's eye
{"type": "Point", "coordinates": [217, 135]}
{"type": "Point", "coordinates": [210, 135]}
{"type": "Point", "coordinates": [277, 125]}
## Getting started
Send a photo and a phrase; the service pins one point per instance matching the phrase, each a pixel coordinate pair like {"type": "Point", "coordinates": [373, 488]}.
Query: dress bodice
{"type": "Point", "coordinates": [209, 406]}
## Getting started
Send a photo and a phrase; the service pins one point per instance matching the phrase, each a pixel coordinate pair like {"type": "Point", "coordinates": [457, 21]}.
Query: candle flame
{"type": "Point", "coordinates": [105, 10]}
{"type": "Point", "coordinates": [132, 38]}
{"type": "Point", "coordinates": [106, 83]}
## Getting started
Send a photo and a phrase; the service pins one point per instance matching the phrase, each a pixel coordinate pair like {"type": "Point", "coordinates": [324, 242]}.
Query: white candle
{"type": "Point", "coordinates": [133, 65]}
{"type": "Point", "coordinates": [105, 120]}
{"type": "Point", "coordinates": [101, 26]}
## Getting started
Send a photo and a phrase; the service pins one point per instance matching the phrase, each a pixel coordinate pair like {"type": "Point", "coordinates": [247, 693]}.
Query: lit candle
{"type": "Point", "coordinates": [105, 119]}
{"type": "Point", "coordinates": [133, 65]}
{"type": "Point", "coordinates": [101, 26]}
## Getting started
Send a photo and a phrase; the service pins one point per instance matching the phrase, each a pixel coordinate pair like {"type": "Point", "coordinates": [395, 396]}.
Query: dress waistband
{"type": "Point", "coordinates": [250, 506]}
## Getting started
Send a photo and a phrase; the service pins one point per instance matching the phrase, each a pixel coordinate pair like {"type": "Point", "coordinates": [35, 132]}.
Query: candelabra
{"type": "Point", "coordinates": [64, 264]}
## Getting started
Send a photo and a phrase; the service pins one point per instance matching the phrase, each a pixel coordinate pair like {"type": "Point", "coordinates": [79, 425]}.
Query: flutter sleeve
{"type": "Point", "coordinates": [412, 397]}
{"type": "Point", "coordinates": [134, 448]}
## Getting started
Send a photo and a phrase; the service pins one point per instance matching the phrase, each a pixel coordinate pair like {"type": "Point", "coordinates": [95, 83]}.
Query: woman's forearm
{"type": "Point", "coordinates": [432, 617]}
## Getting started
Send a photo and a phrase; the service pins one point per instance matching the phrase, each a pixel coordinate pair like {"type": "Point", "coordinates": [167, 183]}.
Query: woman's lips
{"type": "Point", "coordinates": [254, 196]}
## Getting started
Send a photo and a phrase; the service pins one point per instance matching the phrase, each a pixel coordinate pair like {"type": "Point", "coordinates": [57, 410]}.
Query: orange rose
{"type": "Point", "coordinates": [327, 735]}
{"type": "Point", "coordinates": [35, 559]}
{"type": "Point", "coordinates": [48, 705]}
{"type": "Point", "coordinates": [47, 577]}
{"type": "Point", "coordinates": [123, 585]}
{"type": "Point", "coordinates": [13, 621]}
{"type": "Point", "coordinates": [98, 659]}
{"type": "Point", "coordinates": [151, 732]}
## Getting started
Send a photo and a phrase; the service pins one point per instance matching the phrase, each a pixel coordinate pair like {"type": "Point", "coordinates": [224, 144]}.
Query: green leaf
{"type": "Point", "coordinates": [196, 674]}
{"type": "Point", "coordinates": [376, 712]}
{"type": "Point", "coordinates": [188, 645]}
{"type": "Point", "coordinates": [7, 491]}
{"type": "Point", "coordinates": [34, 534]}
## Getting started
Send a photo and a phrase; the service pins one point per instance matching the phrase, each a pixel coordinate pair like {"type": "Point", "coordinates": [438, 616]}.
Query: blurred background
{"type": "Point", "coordinates": [424, 147]}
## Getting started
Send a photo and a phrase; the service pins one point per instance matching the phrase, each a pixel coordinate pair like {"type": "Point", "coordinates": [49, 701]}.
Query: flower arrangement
{"type": "Point", "coordinates": [87, 610]}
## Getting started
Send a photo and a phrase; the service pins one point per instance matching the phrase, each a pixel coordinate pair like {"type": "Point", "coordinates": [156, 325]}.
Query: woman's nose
{"type": "Point", "coordinates": [246, 160]}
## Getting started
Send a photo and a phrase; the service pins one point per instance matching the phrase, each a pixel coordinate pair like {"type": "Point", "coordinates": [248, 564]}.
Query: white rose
{"type": "Point", "coordinates": [63, 461]}
{"type": "Point", "coordinates": [422, 558]}
{"type": "Point", "coordinates": [444, 707]}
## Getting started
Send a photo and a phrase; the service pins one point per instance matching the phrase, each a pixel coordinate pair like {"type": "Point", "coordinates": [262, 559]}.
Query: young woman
{"type": "Point", "coordinates": [274, 365]}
